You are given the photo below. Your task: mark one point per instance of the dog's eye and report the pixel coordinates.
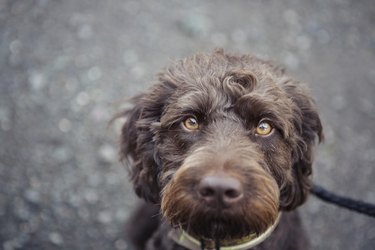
(191, 124)
(264, 128)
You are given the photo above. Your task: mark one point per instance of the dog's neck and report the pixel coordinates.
(182, 238)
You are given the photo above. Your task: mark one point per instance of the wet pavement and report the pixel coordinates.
(67, 66)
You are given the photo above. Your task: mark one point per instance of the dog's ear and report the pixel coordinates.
(308, 127)
(138, 144)
(142, 167)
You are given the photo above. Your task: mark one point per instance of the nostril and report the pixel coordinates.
(207, 192)
(232, 193)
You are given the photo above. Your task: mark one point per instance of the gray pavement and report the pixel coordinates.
(67, 66)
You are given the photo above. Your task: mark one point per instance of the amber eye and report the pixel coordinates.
(191, 123)
(264, 128)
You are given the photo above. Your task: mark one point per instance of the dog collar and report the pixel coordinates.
(182, 238)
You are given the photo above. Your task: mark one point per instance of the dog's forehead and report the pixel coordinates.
(212, 97)
(210, 93)
(217, 84)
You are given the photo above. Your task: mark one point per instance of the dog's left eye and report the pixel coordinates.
(191, 124)
(264, 128)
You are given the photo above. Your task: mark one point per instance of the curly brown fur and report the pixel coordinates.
(228, 95)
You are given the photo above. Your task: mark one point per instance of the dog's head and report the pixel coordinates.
(223, 143)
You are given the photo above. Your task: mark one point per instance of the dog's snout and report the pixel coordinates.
(220, 191)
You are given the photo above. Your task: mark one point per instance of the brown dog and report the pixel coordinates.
(223, 145)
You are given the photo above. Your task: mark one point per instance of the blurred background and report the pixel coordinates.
(67, 66)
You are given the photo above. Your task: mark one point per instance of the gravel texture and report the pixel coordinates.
(67, 66)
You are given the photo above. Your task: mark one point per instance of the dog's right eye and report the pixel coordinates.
(264, 128)
(191, 124)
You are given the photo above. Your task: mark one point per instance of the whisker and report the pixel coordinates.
(157, 215)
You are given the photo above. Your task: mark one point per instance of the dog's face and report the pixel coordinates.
(223, 143)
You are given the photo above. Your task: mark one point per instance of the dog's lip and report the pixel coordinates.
(218, 211)
(219, 208)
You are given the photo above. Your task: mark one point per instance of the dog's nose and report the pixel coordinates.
(220, 191)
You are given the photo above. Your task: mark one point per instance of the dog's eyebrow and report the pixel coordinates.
(254, 106)
(177, 114)
(199, 104)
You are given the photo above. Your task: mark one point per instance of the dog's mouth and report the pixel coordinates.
(220, 229)
(225, 224)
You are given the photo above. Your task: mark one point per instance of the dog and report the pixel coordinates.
(221, 149)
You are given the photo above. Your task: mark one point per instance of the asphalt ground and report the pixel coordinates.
(67, 66)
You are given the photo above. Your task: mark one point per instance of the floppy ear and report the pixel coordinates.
(135, 149)
(138, 139)
(308, 127)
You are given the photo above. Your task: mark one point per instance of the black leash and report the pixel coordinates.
(345, 202)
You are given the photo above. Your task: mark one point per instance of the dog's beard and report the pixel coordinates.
(253, 214)
(222, 226)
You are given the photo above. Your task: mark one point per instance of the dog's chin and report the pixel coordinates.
(223, 227)
(228, 224)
